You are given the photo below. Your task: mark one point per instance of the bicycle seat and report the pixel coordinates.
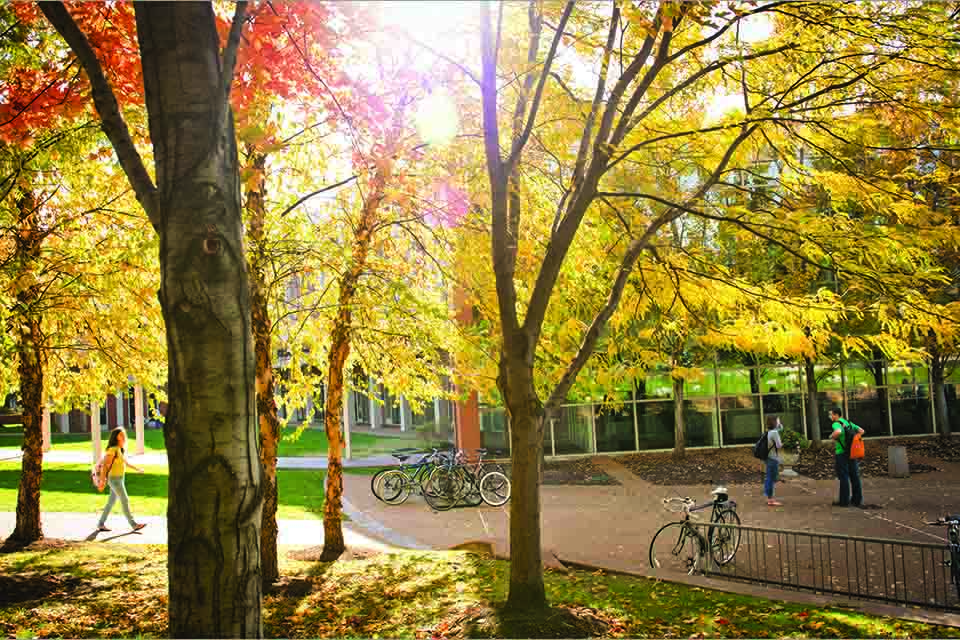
(483, 451)
(402, 457)
(719, 491)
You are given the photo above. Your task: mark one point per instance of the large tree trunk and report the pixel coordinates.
(526, 416)
(263, 352)
(939, 391)
(333, 543)
(813, 402)
(211, 434)
(30, 371)
(679, 428)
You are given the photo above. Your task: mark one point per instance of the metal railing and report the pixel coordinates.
(896, 571)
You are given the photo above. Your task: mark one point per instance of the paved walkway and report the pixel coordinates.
(82, 526)
(160, 459)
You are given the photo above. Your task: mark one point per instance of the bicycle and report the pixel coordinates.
(457, 481)
(953, 533)
(394, 485)
(679, 546)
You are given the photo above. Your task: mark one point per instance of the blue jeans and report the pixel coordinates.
(773, 471)
(848, 472)
(117, 490)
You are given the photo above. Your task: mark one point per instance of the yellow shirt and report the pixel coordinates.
(119, 465)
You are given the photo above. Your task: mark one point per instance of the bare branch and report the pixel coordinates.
(318, 192)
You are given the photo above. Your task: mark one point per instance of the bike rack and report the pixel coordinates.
(895, 571)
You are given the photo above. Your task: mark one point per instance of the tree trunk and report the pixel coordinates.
(813, 402)
(333, 543)
(30, 371)
(526, 416)
(679, 428)
(211, 433)
(263, 353)
(939, 391)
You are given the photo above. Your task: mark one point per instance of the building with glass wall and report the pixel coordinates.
(727, 407)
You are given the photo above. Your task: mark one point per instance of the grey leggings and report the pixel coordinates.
(117, 490)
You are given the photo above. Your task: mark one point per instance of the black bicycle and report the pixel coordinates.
(467, 482)
(680, 547)
(394, 485)
(953, 534)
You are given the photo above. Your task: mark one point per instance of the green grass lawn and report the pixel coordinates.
(67, 488)
(112, 591)
(311, 442)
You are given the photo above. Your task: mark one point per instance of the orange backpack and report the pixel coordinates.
(856, 448)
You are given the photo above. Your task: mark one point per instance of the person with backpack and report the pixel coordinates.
(771, 438)
(113, 470)
(848, 468)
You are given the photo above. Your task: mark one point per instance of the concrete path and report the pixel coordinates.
(160, 459)
(82, 526)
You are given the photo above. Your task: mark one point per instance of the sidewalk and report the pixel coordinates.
(160, 459)
(82, 527)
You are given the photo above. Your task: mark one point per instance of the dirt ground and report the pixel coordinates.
(736, 465)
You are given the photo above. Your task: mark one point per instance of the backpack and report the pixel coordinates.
(95, 473)
(762, 448)
(852, 443)
(856, 448)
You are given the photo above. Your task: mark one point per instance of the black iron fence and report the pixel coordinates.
(897, 571)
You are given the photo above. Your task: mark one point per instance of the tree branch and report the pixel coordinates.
(330, 187)
(109, 111)
(519, 143)
(230, 50)
(626, 267)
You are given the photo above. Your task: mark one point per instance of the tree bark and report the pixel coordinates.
(679, 428)
(937, 382)
(526, 416)
(29, 349)
(268, 418)
(813, 402)
(333, 543)
(211, 434)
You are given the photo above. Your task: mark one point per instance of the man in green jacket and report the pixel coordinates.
(848, 470)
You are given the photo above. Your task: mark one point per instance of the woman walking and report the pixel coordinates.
(773, 460)
(113, 469)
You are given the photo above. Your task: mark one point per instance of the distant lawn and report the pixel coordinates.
(311, 442)
(66, 487)
(119, 591)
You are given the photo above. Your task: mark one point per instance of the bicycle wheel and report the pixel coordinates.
(443, 489)
(725, 541)
(376, 480)
(394, 487)
(675, 548)
(494, 488)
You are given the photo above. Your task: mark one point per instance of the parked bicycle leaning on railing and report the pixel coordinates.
(394, 485)
(680, 547)
(953, 534)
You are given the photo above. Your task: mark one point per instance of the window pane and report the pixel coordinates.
(780, 379)
(698, 422)
(655, 424)
(740, 420)
(828, 378)
(953, 406)
(733, 382)
(573, 432)
(911, 411)
(868, 409)
(493, 431)
(865, 374)
(700, 386)
(615, 428)
(788, 407)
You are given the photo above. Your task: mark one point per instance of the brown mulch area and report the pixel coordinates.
(736, 465)
(559, 621)
(580, 472)
(43, 544)
(701, 466)
(819, 463)
(312, 554)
